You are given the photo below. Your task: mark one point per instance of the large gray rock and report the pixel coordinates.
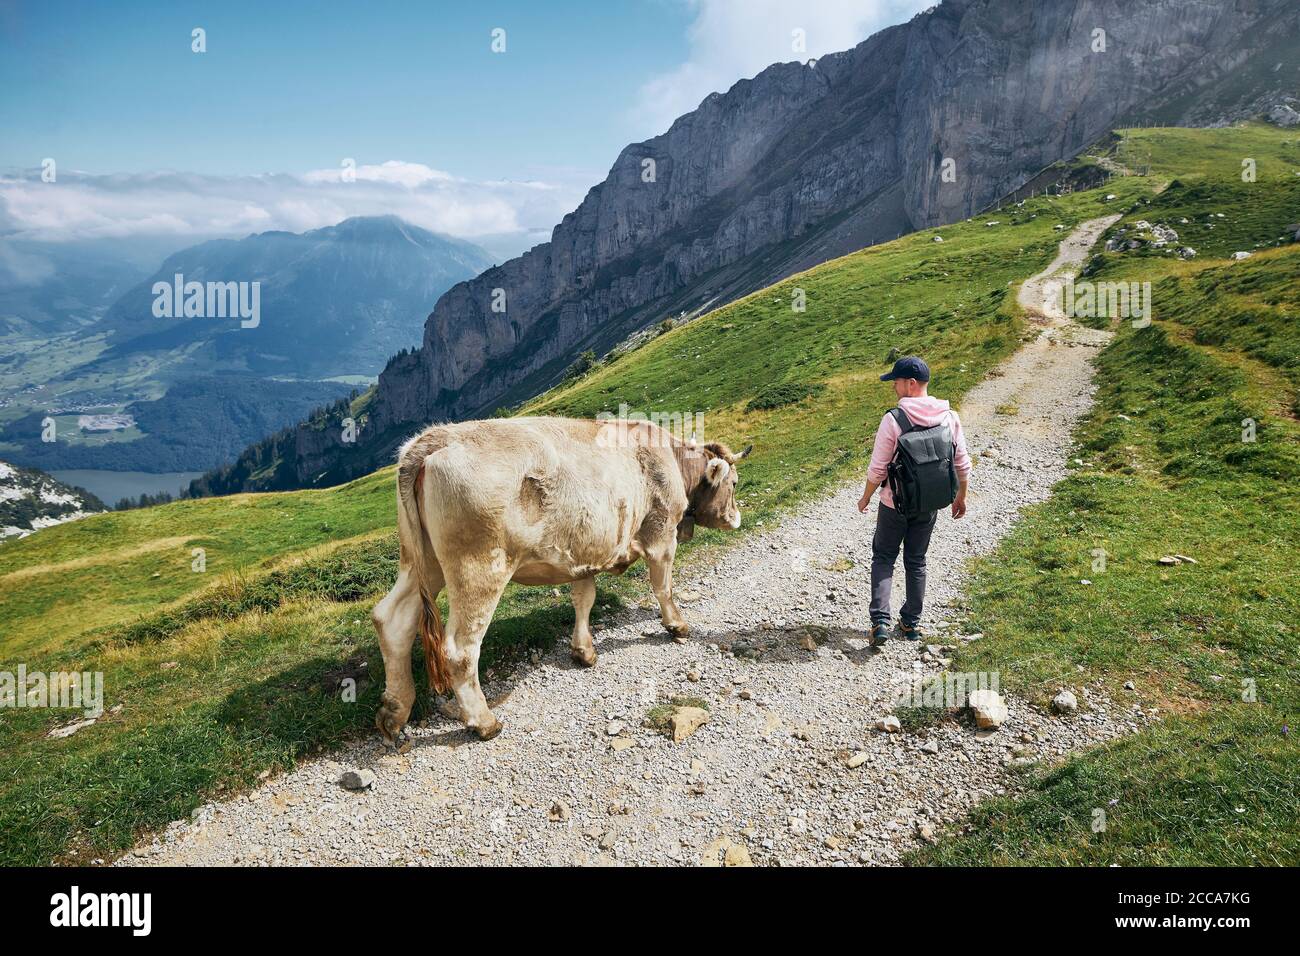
(357, 779)
(1283, 115)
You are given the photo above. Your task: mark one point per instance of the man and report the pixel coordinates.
(911, 378)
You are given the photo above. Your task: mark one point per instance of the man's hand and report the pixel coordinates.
(867, 492)
(959, 506)
(866, 496)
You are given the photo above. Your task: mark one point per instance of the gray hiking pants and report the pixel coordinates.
(893, 531)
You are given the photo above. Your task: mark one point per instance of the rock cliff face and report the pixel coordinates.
(31, 500)
(809, 161)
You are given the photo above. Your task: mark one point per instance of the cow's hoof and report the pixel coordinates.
(489, 731)
(678, 631)
(390, 720)
(584, 656)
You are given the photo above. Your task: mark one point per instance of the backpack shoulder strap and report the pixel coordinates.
(904, 423)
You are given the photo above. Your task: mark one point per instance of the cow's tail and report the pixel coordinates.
(415, 545)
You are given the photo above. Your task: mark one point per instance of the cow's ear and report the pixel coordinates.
(716, 470)
(743, 454)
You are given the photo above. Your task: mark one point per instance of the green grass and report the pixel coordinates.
(659, 717)
(74, 578)
(1253, 216)
(261, 639)
(1216, 789)
(1212, 645)
(1181, 153)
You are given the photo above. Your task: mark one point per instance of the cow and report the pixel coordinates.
(541, 501)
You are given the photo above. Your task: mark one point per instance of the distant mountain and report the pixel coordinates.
(177, 392)
(924, 123)
(31, 500)
(332, 302)
(48, 288)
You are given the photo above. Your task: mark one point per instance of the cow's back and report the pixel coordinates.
(561, 497)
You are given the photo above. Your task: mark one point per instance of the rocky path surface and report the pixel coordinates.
(789, 768)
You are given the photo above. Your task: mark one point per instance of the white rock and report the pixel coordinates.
(989, 708)
(67, 731)
(1065, 702)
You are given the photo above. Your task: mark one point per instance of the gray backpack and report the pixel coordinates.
(922, 477)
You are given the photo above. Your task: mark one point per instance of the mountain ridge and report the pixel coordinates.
(397, 265)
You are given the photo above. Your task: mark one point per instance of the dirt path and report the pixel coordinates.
(778, 652)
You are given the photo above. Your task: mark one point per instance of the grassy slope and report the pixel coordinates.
(1167, 472)
(74, 578)
(259, 651)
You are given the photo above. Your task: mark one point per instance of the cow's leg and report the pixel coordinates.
(397, 619)
(583, 592)
(660, 563)
(473, 591)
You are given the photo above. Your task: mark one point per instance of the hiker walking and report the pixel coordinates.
(919, 463)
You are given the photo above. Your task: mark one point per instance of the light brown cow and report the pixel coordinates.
(538, 501)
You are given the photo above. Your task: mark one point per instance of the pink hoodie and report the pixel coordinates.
(923, 411)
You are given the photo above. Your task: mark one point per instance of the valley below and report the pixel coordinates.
(112, 486)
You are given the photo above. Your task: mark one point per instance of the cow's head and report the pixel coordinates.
(712, 500)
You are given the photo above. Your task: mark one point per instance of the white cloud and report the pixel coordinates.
(86, 206)
(730, 40)
(21, 269)
(393, 171)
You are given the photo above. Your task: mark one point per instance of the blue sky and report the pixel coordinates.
(115, 87)
(443, 130)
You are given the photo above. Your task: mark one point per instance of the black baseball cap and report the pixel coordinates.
(909, 366)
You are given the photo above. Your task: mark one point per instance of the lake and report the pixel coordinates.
(111, 487)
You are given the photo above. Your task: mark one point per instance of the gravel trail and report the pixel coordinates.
(788, 769)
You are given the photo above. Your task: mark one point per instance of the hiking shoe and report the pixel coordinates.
(908, 632)
(879, 634)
